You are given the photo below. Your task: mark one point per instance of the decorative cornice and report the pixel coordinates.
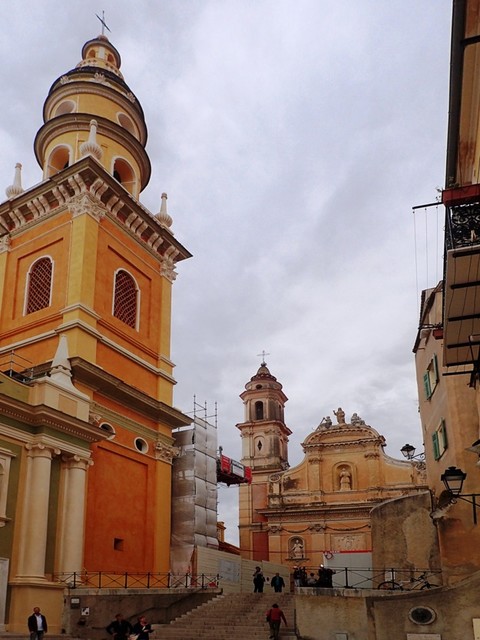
(41, 416)
(26, 437)
(105, 195)
(112, 387)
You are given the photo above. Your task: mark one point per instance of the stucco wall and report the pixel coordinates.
(376, 615)
(403, 534)
(104, 604)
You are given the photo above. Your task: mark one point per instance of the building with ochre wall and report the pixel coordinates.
(86, 389)
(319, 509)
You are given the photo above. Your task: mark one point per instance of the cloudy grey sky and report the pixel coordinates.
(293, 139)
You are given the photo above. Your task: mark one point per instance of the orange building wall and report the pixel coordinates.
(122, 510)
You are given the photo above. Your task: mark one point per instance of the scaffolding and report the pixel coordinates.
(194, 488)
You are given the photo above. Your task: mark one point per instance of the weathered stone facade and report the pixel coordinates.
(306, 514)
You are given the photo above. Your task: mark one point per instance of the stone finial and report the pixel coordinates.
(61, 370)
(16, 188)
(162, 216)
(91, 147)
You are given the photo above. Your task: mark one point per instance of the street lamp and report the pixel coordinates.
(408, 451)
(453, 480)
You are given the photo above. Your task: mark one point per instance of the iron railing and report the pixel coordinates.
(463, 225)
(343, 577)
(368, 578)
(115, 580)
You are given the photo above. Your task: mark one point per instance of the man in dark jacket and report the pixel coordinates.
(119, 628)
(37, 624)
(278, 583)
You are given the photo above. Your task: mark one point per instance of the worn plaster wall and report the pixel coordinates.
(404, 535)
(363, 614)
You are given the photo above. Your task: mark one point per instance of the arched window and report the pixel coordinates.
(123, 173)
(59, 159)
(125, 298)
(67, 106)
(127, 123)
(258, 410)
(39, 285)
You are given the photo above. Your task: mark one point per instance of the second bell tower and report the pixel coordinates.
(265, 450)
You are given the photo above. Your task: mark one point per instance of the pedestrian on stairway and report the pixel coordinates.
(142, 629)
(258, 580)
(274, 617)
(278, 583)
(119, 628)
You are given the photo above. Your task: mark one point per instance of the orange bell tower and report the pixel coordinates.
(82, 258)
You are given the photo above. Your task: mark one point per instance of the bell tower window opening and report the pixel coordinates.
(59, 159)
(258, 410)
(39, 285)
(125, 298)
(67, 106)
(126, 122)
(124, 174)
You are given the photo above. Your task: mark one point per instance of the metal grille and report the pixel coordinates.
(125, 301)
(39, 285)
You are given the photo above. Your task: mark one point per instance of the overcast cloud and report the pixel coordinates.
(293, 139)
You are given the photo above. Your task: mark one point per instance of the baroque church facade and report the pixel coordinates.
(86, 379)
(317, 512)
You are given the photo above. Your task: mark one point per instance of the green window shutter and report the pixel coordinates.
(443, 431)
(426, 385)
(436, 448)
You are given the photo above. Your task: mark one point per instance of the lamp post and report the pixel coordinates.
(453, 480)
(408, 452)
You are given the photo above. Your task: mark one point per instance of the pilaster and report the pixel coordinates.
(72, 514)
(34, 521)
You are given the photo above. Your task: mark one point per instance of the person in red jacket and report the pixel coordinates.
(275, 616)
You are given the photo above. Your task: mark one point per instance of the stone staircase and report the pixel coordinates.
(235, 616)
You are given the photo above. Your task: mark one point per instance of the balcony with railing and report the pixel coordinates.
(462, 276)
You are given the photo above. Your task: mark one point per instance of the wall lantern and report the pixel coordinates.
(408, 452)
(453, 480)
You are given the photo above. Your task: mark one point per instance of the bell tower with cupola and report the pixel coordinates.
(82, 259)
(90, 110)
(265, 449)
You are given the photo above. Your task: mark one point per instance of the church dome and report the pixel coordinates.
(263, 373)
(95, 89)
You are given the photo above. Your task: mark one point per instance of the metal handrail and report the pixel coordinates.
(125, 580)
(370, 578)
(344, 577)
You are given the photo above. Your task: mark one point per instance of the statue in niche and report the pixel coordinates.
(340, 415)
(345, 480)
(297, 549)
